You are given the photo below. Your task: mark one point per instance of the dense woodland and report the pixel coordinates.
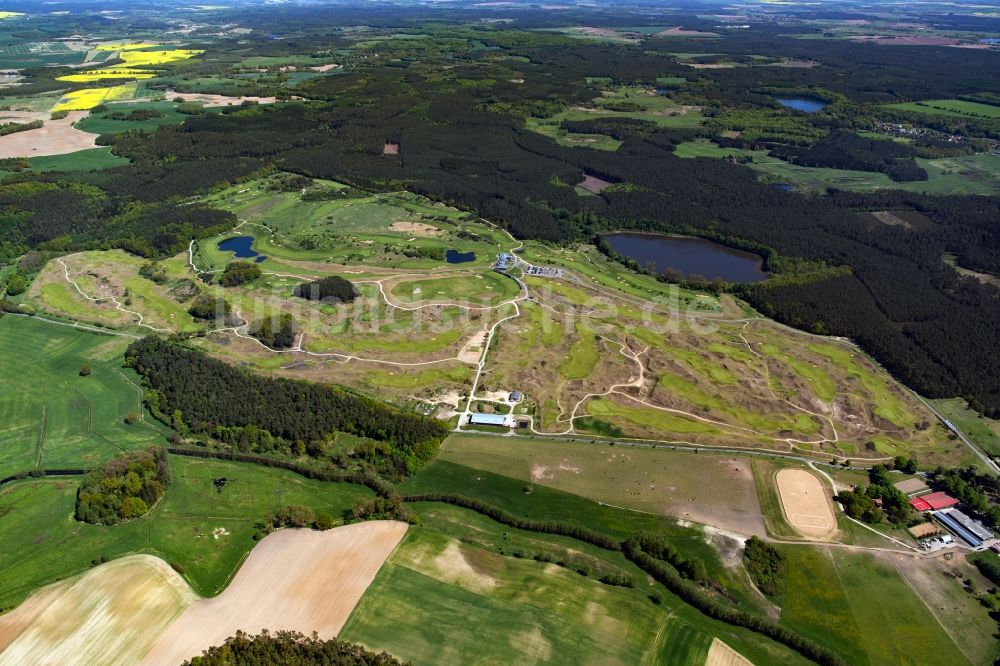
(287, 647)
(126, 487)
(198, 394)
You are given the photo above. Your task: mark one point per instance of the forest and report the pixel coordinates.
(288, 647)
(199, 394)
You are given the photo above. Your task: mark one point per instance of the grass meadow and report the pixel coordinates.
(45, 542)
(50, 415)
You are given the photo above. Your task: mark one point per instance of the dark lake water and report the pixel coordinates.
(805, 104)
(456, 257)
(242, 248)
(785, 187)
(690, 256)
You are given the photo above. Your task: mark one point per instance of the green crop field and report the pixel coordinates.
(102, 123)
(44, 542)
(949, 107)
(964, 174)
(433, 588)
(52, 417)
(850, 600)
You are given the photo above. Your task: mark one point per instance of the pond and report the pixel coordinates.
(690, 256)
(241, 247)
(456, 257)
(804, 104)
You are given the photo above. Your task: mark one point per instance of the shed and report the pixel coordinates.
(515, 396)
(488, 419)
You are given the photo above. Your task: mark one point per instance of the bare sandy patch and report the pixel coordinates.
(414, 228)
(805, 503)
(55, 137)
(710, 65)
(299, 580)
(682, 32)
(721, 654)
(593, 184)
(390, 148)
(109, 615)
(325, 68)
(219, 100)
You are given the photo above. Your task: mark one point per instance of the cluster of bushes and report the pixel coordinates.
(693, 594)
(275, 332)
(289, 647)
(135, 114)
(153, 271)
(293, 515)
(238, 273)
(12, 128)
(125, 488)
(333, 288)
(615, 578)
(657, 546)
(507, 518)
(208, 307)
(860, 503)
(382, 508)
(766, 566)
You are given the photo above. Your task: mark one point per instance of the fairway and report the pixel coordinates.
(50, 416)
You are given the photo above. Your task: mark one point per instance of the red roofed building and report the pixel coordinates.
(933, 502)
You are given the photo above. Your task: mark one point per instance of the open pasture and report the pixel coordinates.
(711, 489)
(850, 599)
(963, 174)
(206, 531)
(50, 416)
(949, 107)
(296, 580)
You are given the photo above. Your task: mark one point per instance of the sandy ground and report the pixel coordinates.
(110, 615)
(219, 100)
(56, 137)
(390, 149)
(721, 654)
(593, 184)
(299, 580)
(805, 503)
(414, 228)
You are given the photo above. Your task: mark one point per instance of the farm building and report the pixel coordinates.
(933, 502)
(488, 419)
(515, 396)
(913, 486)
(970, 531)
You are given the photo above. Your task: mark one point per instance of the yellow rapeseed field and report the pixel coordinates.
(109, 73)
(82, 100)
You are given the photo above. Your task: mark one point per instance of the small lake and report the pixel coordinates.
(456, 257)
(242, 248)
(784, 187)
(690, 256)
(804, 104)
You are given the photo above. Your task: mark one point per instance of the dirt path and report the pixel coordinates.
(299, 580)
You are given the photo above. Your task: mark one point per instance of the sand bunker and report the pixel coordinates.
(55, 137)
(414, 228)
(805, 503)
(294, 579)
(721, 654)
(111, 614)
